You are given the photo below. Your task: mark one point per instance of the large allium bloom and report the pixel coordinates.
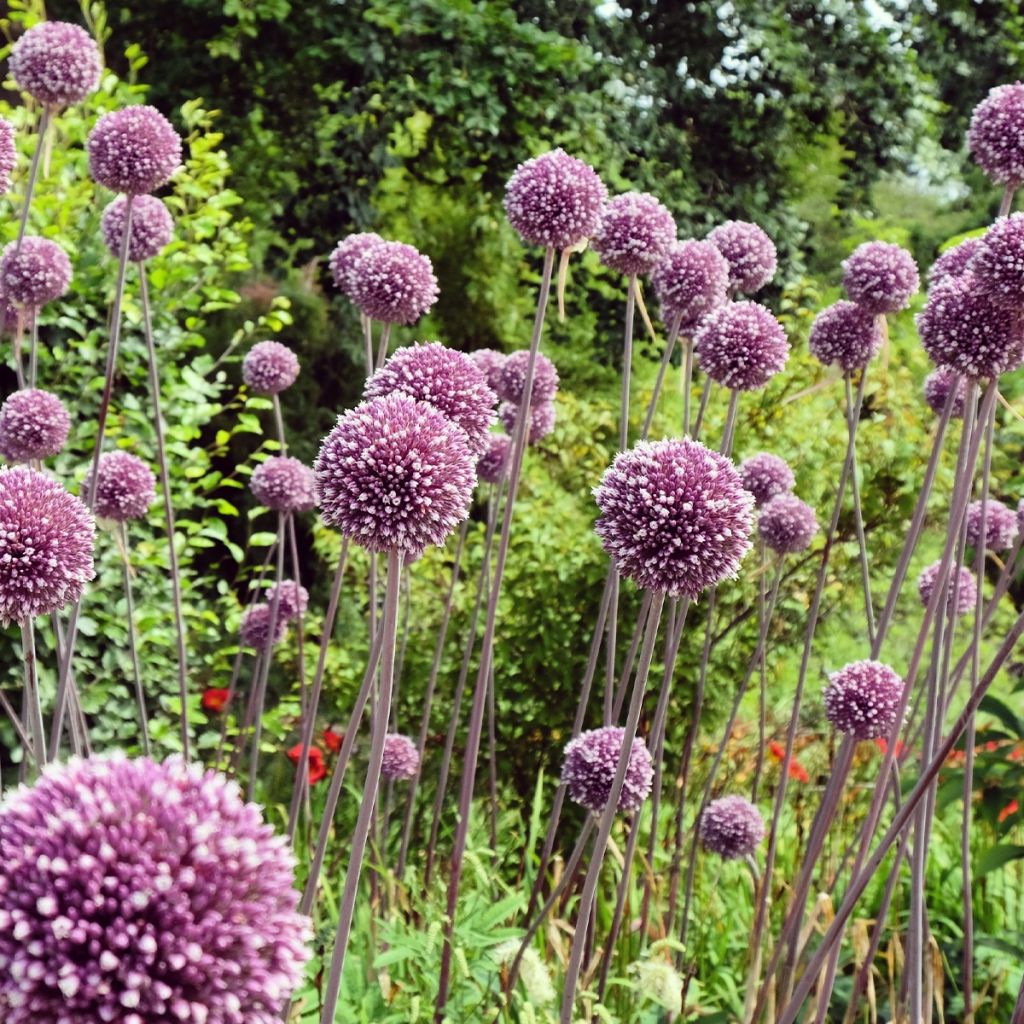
(284, 484)
(270, 367)
(966, 589)
(750, 253)
(998, 265)
(690, 281)
(56, 63)
(254, 629)
(554, 200)
(493, 464)
(35, 274)
(33, 425)
(134, 892)
(741, 346)
(1000, 525)
(963, 329)
(347, 253)
(46, 538)
(937, 386)
(880, 277)
(152, 227)
(292, 601)
(8, 154)
(674, 516)
(542, 419)
(588, 769)
(787, 525)
(395, 473)
(766, 475)
(512, 382)
(401, 758)
(492, 363)
(133, 150)
(996, 135)
(125, 487)
(954, 261)
(444, 378)
(634, 233)
(731, 827)
(394, 283)
(863, 699)
(845, 334)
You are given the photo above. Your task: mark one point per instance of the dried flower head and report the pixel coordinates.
(542, 419)
(998, 265)
(749, 252)
(254, 629)
(845, 334)
(33, 425)
(394, 283)
(8, 154)
(401, 758)
(151, 231)
(292, 599)
(660, 982)
(347, 253)
(125, 487)
(691, 280)
(512, 382)
(493, 464)
(731, 827)
(492, 363)
(787, 525)
(880, 277)
(270, 367)
(34, 274)
(56, 63)
(937, 386)
(533, 972)
(960, 585)
(766, 475)
(634, 233)
(284, 484)
(863, 699)
(589, 765)
(1000, 525)
(133, 150)
(954, 261)
(741, 345)
(996, 135)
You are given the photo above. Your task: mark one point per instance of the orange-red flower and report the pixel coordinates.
(883, 746)
(315, 760)
(215, 699)
(796, 770)
(1011, 808)
(333, 739)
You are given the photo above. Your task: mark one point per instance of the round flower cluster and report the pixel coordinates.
(347, 253)
(1000, 525)
(492, 363)
(845, 334)
(46, 539)
(954, 261)
(284, 484)
(996, 135)
(152, 227)
(125, 487)
(998, 264)
(512, 382)
(292, 601)
(554, 200)
(765, 475)
(401, 758)
(787, 525)
(34, 274)
(137, 892)
(393, 283)
(8, 154)
(542, 419)
(863, 699)
(937, 386)
(493, 464)
(961, 582)
(741, 346)
(634, 233)
(56, 63)
(749, 252)
(690, 281)
(270, 367)
(589, 765)
(674, 516)
(133, 150)
(33, 425)
(880, 277)
(731, 827)
(254, 629)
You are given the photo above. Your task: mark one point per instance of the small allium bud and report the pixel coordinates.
(634, 233)
(741, 346)
(731, 827)
(749, 252)
(8, 154)
(880, 277)
(33, 425)
(56, 63)
(937, 386)
(284, 484)
(492, 363)
(787, 525)
(152, 227)
(347, 253)
(674, 516)
(254, 630)
(292, 601)
(954, 261)
(966, 589)
(996, 135)
(493, 464)
(766, 475)
(394, 283)
(35, 274)
(270, 367)
(554, 200)
(588, 770)
(845, 334)
(512, 382)
(863, 699)
(133, 150)
(125, 487)
(542, 419)
(1000, 525)
(998, 265)
(690, 281)
(401, 759)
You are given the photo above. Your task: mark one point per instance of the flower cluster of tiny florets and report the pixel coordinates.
(152, 227)
(33, 425)
(589, 765)
(732, 827)
(741, 345)
(863, 699)
(749, 252)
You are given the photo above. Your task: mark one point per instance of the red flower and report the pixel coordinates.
(317, 770)
(777, 750)
(215, 700)
(333, 739)
(991, 746)
(1011, 808)
(883, 746)
(796, 770)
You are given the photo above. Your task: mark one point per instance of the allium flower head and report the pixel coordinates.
(845, 334)
(35, 274)
(395, 473)
(254, 629)
(56, 63)
(634, 233)
(863, 699)
(996, 135)
(151, 231)
(554, 200)
(731, 827)
(492, 363)
(125, 487)
(292, 601)
(444, 378)
(401, 758)
(766, 475)
(787, 525)
(674, 516)
(493, 464)
(270, 367)
(347, 253)
(998, 265)
(691, 280)
(542, 419)
(46, 538)
(33, 425)
(937, 386)
(966, 589)
(880, 277)
(135, 893)
(588, 769)
(512, 382)
(1000, 525)
(394, 283)
(133, 150)
(741, 345)
(750, 253)
(284, 484)
(954, 261)
(8, 154)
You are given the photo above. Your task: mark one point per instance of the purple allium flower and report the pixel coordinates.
(749, 252)
(996, 135)
(35, 274)
(152, 227)
(588, 769)
(542, 419)
(962, 329)
(292, 602)
(394, 283)
(846, 334)
(134, 892)
(1020, 516)
(954, 261)
(731, 827)
(674, 516)
(446, 379)
(998, 265)
(347, 253)
(691, 280)
(46, 538)
(254, 629)
(395, 473)
(1000, 525)
(966, 589)
(8, 154)
(937, 386)
(56, 63)
(880, 277)
(492, 363)
(863, 699)
(125, 489)
(33, 425)
(512, 382)
(766, 475)
(493, 464)
(554, 200)
(787, 525)
(270, 367)
(634, 233)
(284, 484)
(401, 758)
(133, 150)
(741, 346)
